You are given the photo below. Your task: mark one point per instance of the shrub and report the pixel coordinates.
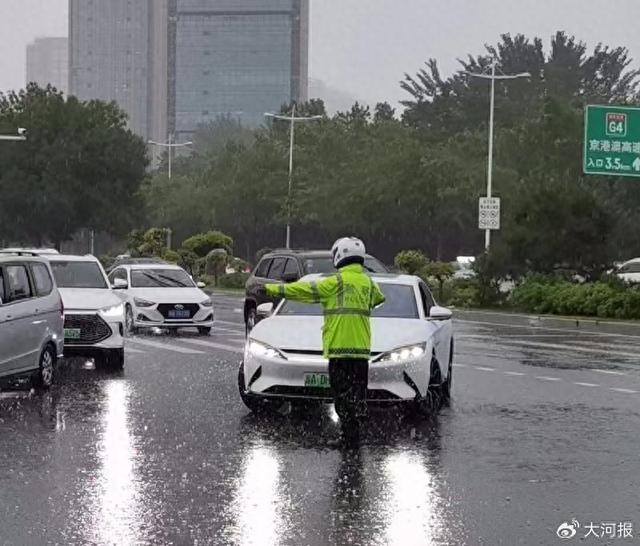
(598, 299)
(411, 262)
(233, 280)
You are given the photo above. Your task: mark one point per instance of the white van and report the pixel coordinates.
(31, 319)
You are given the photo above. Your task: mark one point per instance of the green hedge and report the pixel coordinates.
(233, 280)
(599, 299)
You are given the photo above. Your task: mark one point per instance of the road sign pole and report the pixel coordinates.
(487, 233)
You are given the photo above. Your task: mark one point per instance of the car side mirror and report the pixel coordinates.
(440, 313)
(265, 310)
(290, 277)
(201, 285)
(120, 284)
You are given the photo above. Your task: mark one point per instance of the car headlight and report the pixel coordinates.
(113, 311)
(256, 348)
(403, 353)
(207, 303)
(142, 303)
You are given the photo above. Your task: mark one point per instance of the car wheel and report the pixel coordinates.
(204, 330)
(447, 386)
(46, 368)
(129, 324)
(429, 405)
(257, 404)
(251, 320)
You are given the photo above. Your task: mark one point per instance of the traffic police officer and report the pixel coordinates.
(347, 298)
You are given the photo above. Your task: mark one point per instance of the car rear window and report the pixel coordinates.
(18, 286)
(325, 265)
(400, 303)
(42, 279)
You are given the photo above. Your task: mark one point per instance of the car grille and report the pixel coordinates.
(164, 309)
(92, 329)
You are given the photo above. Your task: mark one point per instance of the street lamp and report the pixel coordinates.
(292, 119)
(493, 77)
(170, 145)
(21, 136)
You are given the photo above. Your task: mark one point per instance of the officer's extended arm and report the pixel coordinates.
(302, 291)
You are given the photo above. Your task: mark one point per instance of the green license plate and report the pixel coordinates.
(318, 380)
(72, 333)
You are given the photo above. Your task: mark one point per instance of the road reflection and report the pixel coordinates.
(116, 517)
(258, 505)
(409, 501)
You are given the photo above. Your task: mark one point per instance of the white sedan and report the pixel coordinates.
(411, 358)
(162, 296)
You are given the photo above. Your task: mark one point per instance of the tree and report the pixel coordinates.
(203, 244)
(411, 261)
(79, 168)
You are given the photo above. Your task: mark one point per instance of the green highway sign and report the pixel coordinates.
(612, 140)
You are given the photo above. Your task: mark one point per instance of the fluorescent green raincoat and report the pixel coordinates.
(347, 298)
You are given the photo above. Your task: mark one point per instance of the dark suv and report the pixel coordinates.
(289, 266)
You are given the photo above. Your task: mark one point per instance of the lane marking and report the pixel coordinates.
(484, 368)
(220, 321)
(626, 391)
(531, 327)
(456, 365)
(214, 345)
(609, 372)
(166, 347)
(572, 348)
(132, 350)
(582, 384)
(547, 378)
(515, 374)
(221, 330)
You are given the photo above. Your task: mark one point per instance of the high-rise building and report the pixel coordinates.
(173, 65)
(48, 62)
(237, 57)
(108, 54)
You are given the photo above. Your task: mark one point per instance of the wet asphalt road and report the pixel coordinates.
(543, 428)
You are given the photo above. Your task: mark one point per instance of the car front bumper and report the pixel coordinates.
(389, 382)
(151, 317)
(97, 333)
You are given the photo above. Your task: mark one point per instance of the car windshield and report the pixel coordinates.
(160, 278)
(78, 275)
(400, 303)
(325, 265)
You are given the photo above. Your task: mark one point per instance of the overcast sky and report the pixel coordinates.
(363, 47)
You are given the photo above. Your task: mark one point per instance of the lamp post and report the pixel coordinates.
(493, 77)
(170, 145)
(292, 119)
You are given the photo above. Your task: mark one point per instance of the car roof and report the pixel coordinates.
(632, 261)
(15, 257)
(383, 278)
(302, 253)
(152, 266)
(71, 258)
(38, 251)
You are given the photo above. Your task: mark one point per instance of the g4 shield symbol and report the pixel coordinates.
(568, 530)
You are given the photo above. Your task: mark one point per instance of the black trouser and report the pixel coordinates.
(349, 379)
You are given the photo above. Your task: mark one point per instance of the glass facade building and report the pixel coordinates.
(174, 65)
(237, 57)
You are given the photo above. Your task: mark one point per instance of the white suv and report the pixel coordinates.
(94, 314)
(31, 319)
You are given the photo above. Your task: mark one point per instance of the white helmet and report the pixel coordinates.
(346, 249)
